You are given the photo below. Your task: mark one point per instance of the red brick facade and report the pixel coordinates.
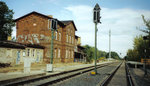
(34, 28)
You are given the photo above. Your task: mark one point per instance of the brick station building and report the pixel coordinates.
(34, 28)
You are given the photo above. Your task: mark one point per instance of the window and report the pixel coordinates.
(33, 52)
(72, 54)
(48, 25)
(72, 40)
(59, 36)
(28, 52)
(58, 53)
(66, 53)
(56, 35)
(55, 53)
(67, 38)
(69, 54)
(24, 54)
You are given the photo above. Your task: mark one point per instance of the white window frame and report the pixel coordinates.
(23, 53)
(59, 36)
(72, 54)
(69, 53)
(48, 25)
(59, 53)
(67, 38)
(55, 53)
(28, 52)
(72, 40)
(33, 52)
(56, 35)
(66, 53)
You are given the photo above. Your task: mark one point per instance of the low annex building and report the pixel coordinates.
(14, 53)
(34, 28)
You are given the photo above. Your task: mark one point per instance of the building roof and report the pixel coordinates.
(80, 47)
(67, 22)
(11, 44)
(60, 23)
(77, 36)
(8, 44)
(34, 46)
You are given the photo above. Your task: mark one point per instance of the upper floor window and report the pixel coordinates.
(48, 24)
(59, 36)
(67, 38)
(56, 35)
(72, 40)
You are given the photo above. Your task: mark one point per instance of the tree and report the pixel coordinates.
(141, 48)
(114, 55)
(6, 21)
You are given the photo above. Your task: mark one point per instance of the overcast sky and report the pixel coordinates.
(121, 16)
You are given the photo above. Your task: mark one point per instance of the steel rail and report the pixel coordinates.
(129, 78)
(77, 72)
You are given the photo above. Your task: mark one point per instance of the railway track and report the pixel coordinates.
(129, 78)
(107, 80)
(51, 79)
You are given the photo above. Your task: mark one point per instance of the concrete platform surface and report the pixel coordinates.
(119, 79)
(14, 75)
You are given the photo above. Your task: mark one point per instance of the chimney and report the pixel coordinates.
(50, 16)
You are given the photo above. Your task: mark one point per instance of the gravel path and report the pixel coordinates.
(87, 79)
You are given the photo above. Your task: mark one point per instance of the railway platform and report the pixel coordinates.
(119, 79)
(20, 75)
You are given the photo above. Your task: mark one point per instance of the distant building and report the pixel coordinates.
(34, 28)
(14, 53)
(80, 56)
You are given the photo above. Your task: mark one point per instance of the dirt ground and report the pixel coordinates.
(35, 66)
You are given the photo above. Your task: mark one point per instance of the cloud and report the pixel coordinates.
(122, 22)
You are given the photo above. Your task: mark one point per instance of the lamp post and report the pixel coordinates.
(96, 20)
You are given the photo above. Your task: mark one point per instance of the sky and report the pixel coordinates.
(122, 17)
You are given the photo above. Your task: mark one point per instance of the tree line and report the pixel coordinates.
(141, 46)
(6, 21)
(89, 51)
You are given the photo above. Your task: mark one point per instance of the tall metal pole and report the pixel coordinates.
(95, 56)
(52, 35)
(109, 44)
